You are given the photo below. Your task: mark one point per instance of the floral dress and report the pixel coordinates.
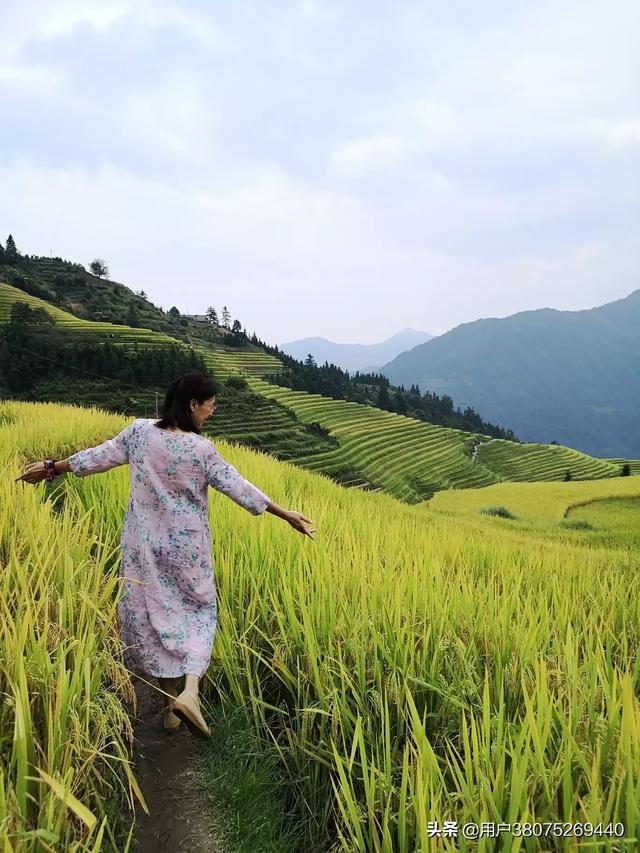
(167, 607)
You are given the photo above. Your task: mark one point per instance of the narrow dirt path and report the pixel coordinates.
(181, 815)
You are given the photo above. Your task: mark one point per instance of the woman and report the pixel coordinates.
(167, 608)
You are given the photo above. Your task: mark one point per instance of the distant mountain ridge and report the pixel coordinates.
(363, 357)
(566, 376)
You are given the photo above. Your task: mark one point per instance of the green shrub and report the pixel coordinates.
(237, 382)
(500, 511)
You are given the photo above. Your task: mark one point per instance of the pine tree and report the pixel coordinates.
(226, 317)
(212, 316)
(310, 361)
(236, 326)
(10, 251)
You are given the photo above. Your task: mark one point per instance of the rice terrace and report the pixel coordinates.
(458, 646)
(319, 424)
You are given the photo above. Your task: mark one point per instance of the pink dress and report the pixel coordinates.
(167, 607)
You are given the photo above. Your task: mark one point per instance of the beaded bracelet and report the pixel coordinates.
(49, 467)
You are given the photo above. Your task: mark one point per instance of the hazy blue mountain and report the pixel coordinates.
(352, 357)
(568, 376)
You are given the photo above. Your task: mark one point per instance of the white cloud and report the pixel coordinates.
(40, 19)
(371, 154)
(30, 78)
(419, 165)
(616, 133)
(175, 116)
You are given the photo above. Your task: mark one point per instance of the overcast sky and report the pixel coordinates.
(343, 169)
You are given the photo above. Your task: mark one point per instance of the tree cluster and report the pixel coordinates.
(236, 335)
(31, 348)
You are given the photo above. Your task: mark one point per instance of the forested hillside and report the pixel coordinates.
(566, 376)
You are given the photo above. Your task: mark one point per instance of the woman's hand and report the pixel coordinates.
(296, 520)
(33, 473)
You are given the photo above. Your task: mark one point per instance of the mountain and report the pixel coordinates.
(566, 376)
(352, 357)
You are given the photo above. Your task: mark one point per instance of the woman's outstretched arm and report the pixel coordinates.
(93, 460)
(223, 477)
(36, 472)
(295, 519)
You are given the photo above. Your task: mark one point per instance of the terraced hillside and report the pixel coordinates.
(408, 458)
(227, 361)
(634, 464)
(360, 446)
(252, 420)
(265, 425)
(116, 334)
(542, 462)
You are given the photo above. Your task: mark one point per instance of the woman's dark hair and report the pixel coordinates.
(176, 411)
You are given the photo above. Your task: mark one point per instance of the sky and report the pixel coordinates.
(340, 169)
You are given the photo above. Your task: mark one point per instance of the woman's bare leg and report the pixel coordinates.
(168, 685)
(191, 684)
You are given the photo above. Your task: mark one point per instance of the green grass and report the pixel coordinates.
(539, 503)
(247, 782)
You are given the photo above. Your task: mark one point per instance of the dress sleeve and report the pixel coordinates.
(225, 478)
(109, 454)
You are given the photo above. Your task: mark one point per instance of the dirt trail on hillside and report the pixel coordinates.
(181, 814)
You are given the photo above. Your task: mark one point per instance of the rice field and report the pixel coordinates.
(225, 362)
(377, 450)
(412, 460)
(548, 462)
(616, 519)
(408, 458)
(537, 502)
(410, 665)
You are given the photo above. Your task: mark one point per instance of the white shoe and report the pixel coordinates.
(187, 708)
